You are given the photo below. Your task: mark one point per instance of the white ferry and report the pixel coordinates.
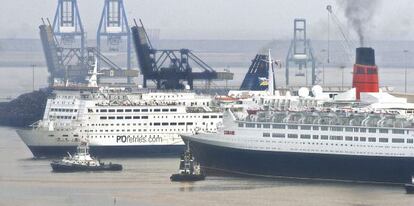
(117, 122)
(310, 144)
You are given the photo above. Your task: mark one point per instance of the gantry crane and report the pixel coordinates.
(169, 68)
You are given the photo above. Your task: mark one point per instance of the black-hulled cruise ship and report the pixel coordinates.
(315, 144)
(373, 143)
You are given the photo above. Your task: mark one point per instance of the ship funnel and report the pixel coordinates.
(365, 75)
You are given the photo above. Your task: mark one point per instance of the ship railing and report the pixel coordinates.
(409, 126)
(195, 110)
(331, 118)
(202, 109)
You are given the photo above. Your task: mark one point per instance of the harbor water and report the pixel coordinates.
(145, 181)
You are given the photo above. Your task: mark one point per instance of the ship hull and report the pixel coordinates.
(187, 177)
(41, 145)
(110, 151)
(216, 159)
(65, 167)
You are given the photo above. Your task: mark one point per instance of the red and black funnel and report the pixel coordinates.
(365, 76)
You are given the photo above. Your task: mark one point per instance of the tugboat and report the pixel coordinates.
(189, 170)
(409, 188)
(82, 161)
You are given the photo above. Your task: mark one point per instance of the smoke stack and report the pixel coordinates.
(365, 76)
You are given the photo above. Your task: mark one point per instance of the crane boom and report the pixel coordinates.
(347, 44)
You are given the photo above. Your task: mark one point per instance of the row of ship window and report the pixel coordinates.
(323, 128)
(111, 136)
(62, 110)
(145, 130)
(145, 124)
(61, 117)
(122, 117)
(134, 110)
(151, 124)
(65, 97)
(123, 124)
(212, 116)
(64, 102)
(336, 151)
(146, 117)
(334, 137)
(162, 96)
(171, 123)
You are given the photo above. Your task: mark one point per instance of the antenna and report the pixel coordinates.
(329, 8)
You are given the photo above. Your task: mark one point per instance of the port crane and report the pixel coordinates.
(114, 27)
(68, 57)
(169, 68)
(301, 53)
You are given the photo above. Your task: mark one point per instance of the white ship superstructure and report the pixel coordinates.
(119, 122)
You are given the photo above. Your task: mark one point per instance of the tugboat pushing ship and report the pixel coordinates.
(82, 161)
(189, 170)
(409, 187)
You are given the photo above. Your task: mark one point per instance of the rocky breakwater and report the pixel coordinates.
(25, 109)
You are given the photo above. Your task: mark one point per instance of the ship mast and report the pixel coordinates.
(271, 82)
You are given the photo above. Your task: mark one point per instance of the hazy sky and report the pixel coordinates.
(215, 19)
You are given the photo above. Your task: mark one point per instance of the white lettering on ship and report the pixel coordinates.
(129, 139)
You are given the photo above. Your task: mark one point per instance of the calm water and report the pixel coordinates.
(145, 181)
